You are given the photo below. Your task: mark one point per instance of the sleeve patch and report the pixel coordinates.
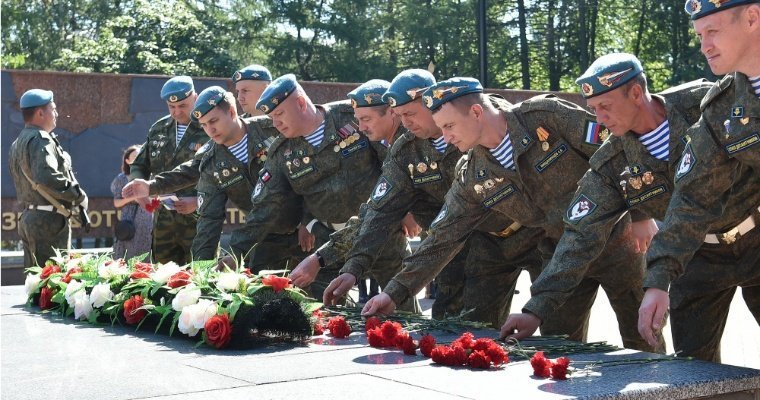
(581, 207)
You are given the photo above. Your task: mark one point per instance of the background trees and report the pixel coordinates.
(532, 44)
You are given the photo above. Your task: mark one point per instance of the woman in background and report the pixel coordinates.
(130, 210)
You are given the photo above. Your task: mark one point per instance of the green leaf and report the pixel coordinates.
(165, 313)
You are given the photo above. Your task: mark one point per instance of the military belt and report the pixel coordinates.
(48, 207)
(734, 234)
(508, 231)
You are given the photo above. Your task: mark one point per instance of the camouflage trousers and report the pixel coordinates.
(620, 272)
(276, 252)
(700, 298)
(41, 232)
(173, 235)
(387, 265)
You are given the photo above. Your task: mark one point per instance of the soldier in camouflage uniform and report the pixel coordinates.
(322, 159)
(171, 141)
(524, 162)
(250, 83)
(36, 155)
(632, 171)
(715, 200)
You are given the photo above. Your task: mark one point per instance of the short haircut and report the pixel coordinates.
(463, 103)
(381, 109)
(227, 102)
(28, 113)
(641, 80)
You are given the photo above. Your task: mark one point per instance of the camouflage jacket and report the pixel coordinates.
(48, 165)
(329, 182)
(623, 176)
(715, 185)
(160, 151)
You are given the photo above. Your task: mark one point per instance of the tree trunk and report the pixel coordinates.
(524, 54)
(640, 30)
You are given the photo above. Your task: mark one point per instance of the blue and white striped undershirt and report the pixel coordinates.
(315, 139)
(180, 132)
(755, 85)
(504, 153)
(657, 141)
(439, 144)
(240, 149)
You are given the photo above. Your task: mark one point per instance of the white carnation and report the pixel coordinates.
(100, 294)
(31, 283)
(229, 281)
(187, 296)
(82, 306)
(164, 272)
(112, 269)
(72, 290)
(193, 318)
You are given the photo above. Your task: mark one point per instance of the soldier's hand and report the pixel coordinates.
(136, 188)
(305, 238)
(186, 205)
(380, 304)
(338, 288)
(643, 232)
(654, 307)
(305, 272)
(226, 262)
(410, 226)
(519, 326)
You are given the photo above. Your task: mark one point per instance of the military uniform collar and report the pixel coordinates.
(516, 131)
(745, 96)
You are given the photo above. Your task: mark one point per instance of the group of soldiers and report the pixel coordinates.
(493, 188)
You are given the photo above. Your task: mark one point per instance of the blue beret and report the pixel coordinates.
(369, 94)
(445, 91)
(608, 72)
(408, 86)
(700, 8)
(277, 92)
(207, 100)
(253, 72)
(35, 98)
(177, 89)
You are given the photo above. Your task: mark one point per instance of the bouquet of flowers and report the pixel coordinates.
(228, 308)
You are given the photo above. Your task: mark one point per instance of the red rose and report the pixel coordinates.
(49, 270)
(541, 366)
(247, 272)
(427, 344)
(152, 205)
(466, 340)
(375, 338)
(180, 279)
(218, 330)
(144, 267)
(278, 283)
(338, 327)
(409, 346)
(497, 354)
(131, 312)
(139, 275)
(559, 368)
(390, 330)
(479, 359)
(46, 298)
(371, 323)
(69, 273)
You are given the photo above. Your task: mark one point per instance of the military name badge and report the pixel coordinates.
(686, 163)
(441, 215)
(596, 133)
(551, 158)
(581, 207)
(359, 145)
(381, 190)
(500, 195)
(421, 180)
(648, 195)
(743, 144)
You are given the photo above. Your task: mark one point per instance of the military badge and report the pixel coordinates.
(433, 165)
(489, 184)
(296, 162)
(289, 165)
(635, 182)
(381, 189)
(543, 136)
(354, 104)
(428, 101)
(686, 164)
(717, 3)
(172, 98)
(257, 190)
(336, 148)
(306, 160)
(226, 172)
(481, 174)
(197, 114)
(265, 176)
(737, 112)
(237, 76)
(623, 185)
(234, 169)
(413, 93)
(612, 78)
(648, 178)
(693, 7)
(744, 120)
(276, 101)
(391, 102)
(212, 102)
(411, 170)
(200, 200)
(587, 89)
(421, 167)
(264, 108)
(478, 189)
(581, 207)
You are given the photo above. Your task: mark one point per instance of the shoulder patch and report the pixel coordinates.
(263, 121)
(579, 208)
(686, 163)
(595, 133)
(382, 188)
(543, 102)
(715, 91)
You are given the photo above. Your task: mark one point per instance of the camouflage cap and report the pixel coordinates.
(276, 93)
(369, 94)
(253, 72)
(608, 72)
(445, 91)
(35, 98)
(701, 8)
(177, 89)
(207, 100)
(408, 86)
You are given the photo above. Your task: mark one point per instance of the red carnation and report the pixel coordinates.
(390, 331)
(46, 298)
(218, 330)
(427, 344)
(131, 312)
(440, 354)
(559, 368)
(409, 346)
(278, 283)
(497, 354)
(541, 366)
(371, 323)
(338, 327)
(398, 341)
(482, 344)
(152, 205)
(375, 338)
(69, 273)
(479, 359)
(458, 355)
(180, 279)
(466, 340)
(319, 328)
(49, 270)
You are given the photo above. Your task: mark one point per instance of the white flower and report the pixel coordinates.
(100, 294)
(229, 281)
(110, 269)
(72, 290)
(187, 296)
(193, 318)
(31, 283)
(77, 261)
(82, 306)
(165, 271)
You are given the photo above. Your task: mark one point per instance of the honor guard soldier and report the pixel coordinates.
(323, 159)
(715, 201)
(250, 83)
(171, 141)
(45, 183)
(631, 172)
